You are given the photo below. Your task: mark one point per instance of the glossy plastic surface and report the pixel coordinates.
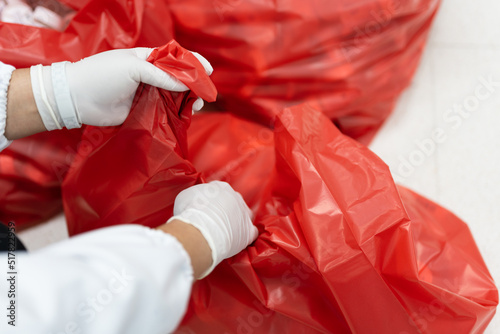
(132, 173)
(341, 249)
(31, 173)
(30, 185)
(99, 25)
(351, 59)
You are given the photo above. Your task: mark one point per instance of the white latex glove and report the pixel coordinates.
(220, 214)
(98, 90)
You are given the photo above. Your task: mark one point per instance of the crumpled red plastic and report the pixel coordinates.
(132, 173)
(351, 59)
(99, 25)
(33, 168)
(341, 248)
(31, 173)
(365, 54)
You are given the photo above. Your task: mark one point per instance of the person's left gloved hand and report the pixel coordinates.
(98, 90)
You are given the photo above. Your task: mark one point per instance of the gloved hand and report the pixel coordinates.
(98, 90)
(220, 214)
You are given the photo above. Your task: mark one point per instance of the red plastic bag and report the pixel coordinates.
(339, 251)
(32, 169)
(133, 172)
(99, 25)
(341, 248)
(233, 150)
(350, 59)
(30, 182)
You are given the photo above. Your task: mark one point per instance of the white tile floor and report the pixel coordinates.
(461, 172)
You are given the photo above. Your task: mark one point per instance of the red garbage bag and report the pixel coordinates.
(351, 59)
(99, 25)
(341, 248)
(153, 18)
(132, 173)
(237, 151)
(29, 183)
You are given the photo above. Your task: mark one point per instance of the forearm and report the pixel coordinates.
(23, 118)
(193, 242)
(97, 90)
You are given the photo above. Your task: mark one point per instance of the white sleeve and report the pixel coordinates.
(125, 279)
(5, 75)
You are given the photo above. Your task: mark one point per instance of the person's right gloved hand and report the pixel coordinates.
(98, 90)
(220, 214)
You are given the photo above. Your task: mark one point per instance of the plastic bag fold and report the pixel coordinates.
(341, 249)
(350, 59)
(133, 172)
(32, 169)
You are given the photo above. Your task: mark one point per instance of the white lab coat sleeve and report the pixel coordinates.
(5, 75)
(125, 279)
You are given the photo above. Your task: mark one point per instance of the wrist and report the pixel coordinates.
(53, 98)
(193, 242)
(23, 118)
(43, 95)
